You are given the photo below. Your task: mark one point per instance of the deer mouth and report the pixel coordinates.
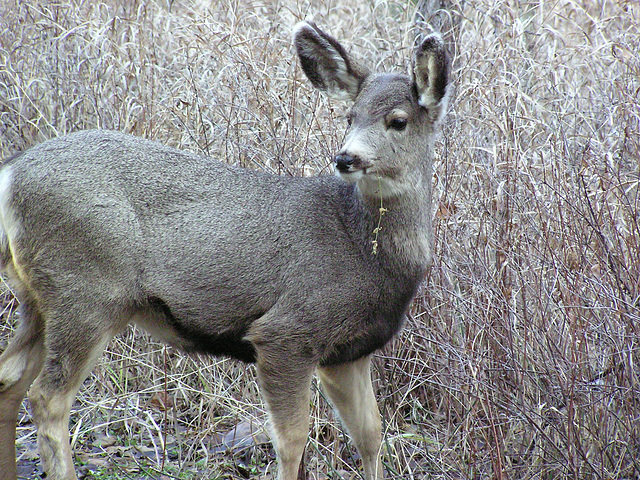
(350, 167)
(351, 176)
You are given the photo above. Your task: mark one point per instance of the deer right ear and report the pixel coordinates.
(431, 75)
(326, 63)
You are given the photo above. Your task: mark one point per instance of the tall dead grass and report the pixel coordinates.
(520, 359)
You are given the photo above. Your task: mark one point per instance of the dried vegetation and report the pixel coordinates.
(520, 359)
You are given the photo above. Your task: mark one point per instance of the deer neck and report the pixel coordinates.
(400, 223)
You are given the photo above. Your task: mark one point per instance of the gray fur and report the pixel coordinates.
(100, 229)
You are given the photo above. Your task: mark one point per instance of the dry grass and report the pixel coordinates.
(521, 357)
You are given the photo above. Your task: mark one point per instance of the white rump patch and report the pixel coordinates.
(9, 226)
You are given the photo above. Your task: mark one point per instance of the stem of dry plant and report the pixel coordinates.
(520, 357)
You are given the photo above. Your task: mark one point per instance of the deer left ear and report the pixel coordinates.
(326, 63)
(431, 67)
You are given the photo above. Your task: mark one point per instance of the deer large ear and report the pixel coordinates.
(326, 63)
(431, 67)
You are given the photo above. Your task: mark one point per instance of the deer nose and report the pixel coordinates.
(344, 161)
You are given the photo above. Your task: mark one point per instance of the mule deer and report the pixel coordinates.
(100, 229)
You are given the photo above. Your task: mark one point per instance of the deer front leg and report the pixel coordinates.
(350, 390)
(285, 383)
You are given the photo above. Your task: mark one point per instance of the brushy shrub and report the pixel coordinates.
(520, 357)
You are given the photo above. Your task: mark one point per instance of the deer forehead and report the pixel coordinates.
(384, 95)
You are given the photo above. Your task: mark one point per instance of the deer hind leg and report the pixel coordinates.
(285, 385)
(351, 393)
(20, 363)
(73, 343)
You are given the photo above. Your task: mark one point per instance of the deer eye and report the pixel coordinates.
(398, 124)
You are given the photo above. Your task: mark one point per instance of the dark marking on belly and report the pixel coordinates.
(229, 343)
(374, 330)
(372, 339)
